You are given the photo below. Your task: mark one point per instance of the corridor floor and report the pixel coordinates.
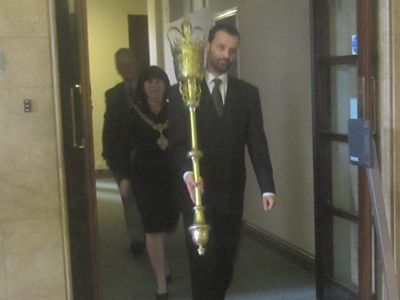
(260, 273)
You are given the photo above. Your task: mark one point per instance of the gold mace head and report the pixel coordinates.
(199, 230)
(187, 48)
(199, 233)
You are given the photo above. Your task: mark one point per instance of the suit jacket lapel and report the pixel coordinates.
(230, 96)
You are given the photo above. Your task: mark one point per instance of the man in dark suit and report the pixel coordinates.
(229, 118)
(118, 100)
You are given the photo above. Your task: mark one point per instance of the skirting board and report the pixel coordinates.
(291, 253)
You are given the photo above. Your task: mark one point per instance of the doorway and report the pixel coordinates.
(78, 147)
(90, 157)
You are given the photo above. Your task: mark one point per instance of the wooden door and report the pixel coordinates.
(139, 39)
(78, 146)
(343, 68)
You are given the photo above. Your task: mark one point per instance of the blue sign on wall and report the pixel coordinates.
(354, 44)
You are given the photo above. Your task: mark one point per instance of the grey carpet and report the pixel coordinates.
(260, 274)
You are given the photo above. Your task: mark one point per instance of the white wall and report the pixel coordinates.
(278, 61)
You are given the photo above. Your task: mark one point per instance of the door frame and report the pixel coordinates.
(393, 64)
(367, 98)
(78, 149)
(89, 154)
(365, 63)
(90, 167)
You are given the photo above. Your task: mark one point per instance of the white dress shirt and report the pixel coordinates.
(223, 85)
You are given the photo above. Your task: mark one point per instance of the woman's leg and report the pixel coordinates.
(168, 238)
(156, 252)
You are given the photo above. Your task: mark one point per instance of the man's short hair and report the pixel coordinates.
(124, 51)
(230, 29)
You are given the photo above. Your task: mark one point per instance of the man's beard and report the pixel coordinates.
(221, 65)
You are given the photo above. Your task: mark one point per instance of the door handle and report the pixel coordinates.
(75, 144)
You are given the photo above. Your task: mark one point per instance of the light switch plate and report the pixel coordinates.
(27, 105)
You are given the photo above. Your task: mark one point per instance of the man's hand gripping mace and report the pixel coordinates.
(188, 56)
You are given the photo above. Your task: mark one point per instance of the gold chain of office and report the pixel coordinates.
(162, 141)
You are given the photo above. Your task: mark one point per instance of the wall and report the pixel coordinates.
(279, 62)
(107, 31)
(32, 214)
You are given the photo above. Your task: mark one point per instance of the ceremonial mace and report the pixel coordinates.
(188, 56)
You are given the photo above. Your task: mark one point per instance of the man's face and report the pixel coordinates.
(126, 66)
(222, 52)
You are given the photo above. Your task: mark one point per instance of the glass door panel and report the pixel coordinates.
(343, 87)
(344, 179)
(342, 26)
(345, 244)
(342, 219)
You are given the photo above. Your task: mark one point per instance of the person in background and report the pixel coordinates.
(150, 173)
(118, 100)
(229, 118)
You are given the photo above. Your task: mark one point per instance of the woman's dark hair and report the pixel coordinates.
(151, 72)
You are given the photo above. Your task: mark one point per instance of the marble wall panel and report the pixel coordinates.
(395, 16)
(23, 17)
(27, 62)
(29, 195)
(28, 139)
(33, 257)
(383, 42)
(3, 290)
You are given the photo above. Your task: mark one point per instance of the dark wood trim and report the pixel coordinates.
(78, 157)
(337, 137)
(366, 72)
(334, 290)
(290, 252)
(364, 238)
(89, 149)
(139, 39)
(334, 287)
(319, 30)
(339, 60)
(341, 213)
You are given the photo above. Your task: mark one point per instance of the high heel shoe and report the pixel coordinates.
(163, 296)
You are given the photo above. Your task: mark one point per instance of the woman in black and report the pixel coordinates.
(146, 166)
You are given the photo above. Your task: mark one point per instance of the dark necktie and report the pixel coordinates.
(217, 97)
